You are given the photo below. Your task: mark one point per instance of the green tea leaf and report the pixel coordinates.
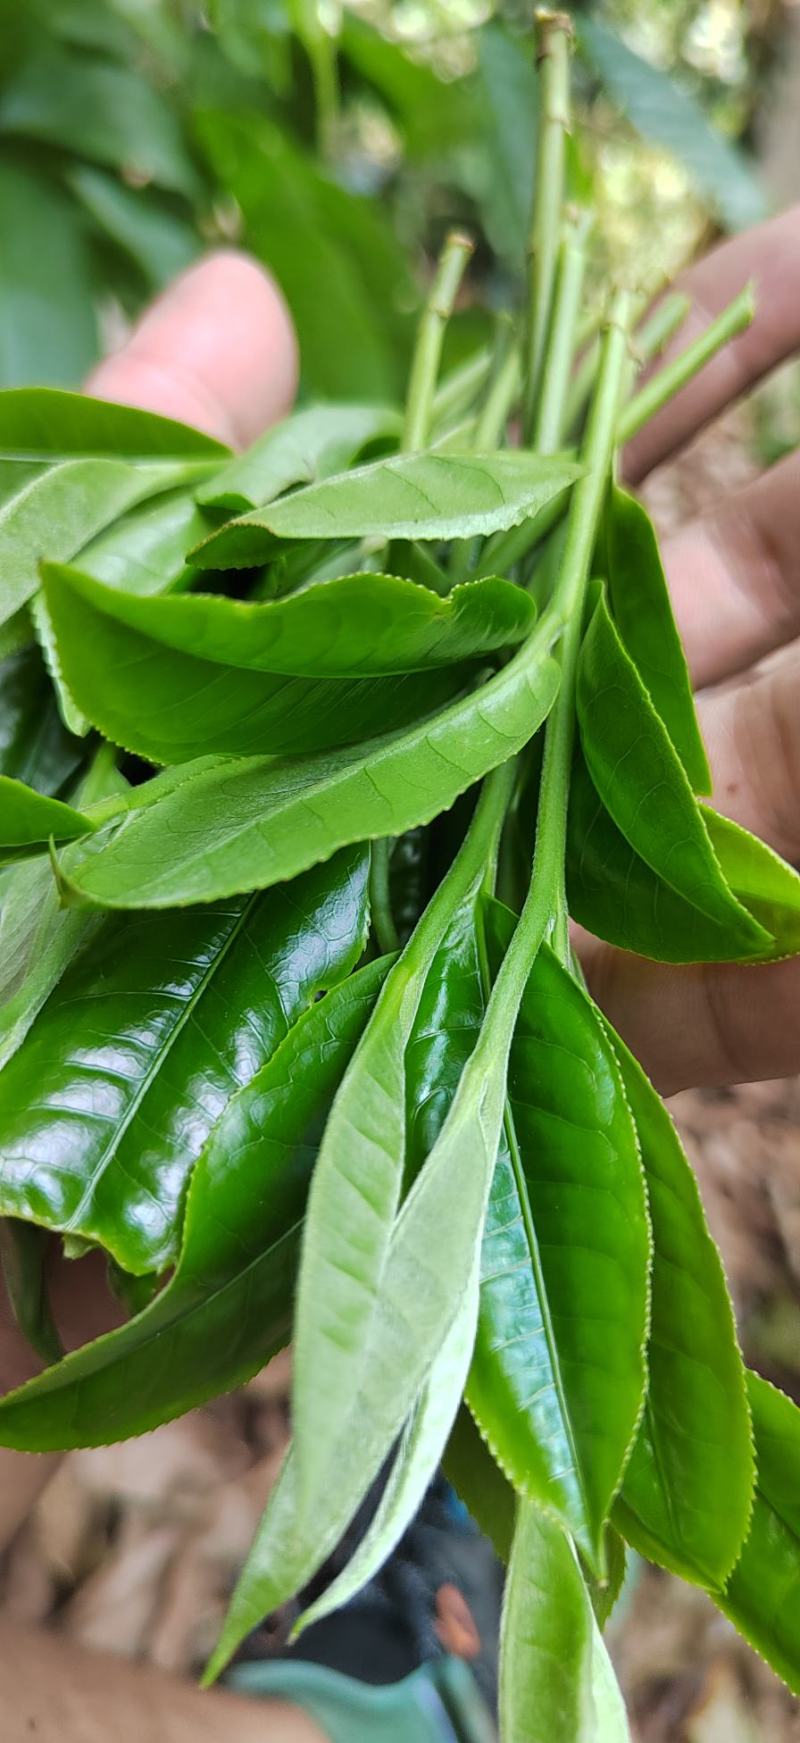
(28, 820)
(144, 551)
(662, 110)
(618, 897)
(642, 783)
(408, 496)
(349, 627)
(214, 669)
(688, 1487)
(559, 1372)
(760, 880)
(196, 704)
(47, 424)
(311, 444)
(762, 1597)
(555, 1679)
(351, 1231)
(424, 1439)
(250, 823)
(60, 510)
(228, 1306)
(642, 612)
(555, 1390)
(110, 1099)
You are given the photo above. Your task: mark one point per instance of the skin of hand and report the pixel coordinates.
(218, 350)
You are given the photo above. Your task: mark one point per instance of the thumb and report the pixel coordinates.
(216, 350)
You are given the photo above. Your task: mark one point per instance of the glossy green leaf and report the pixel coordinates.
(311, 444)
(480, 1483)
(555, 1679)
(60, 510)
(159, 241)
(34, 747)
(618, 897)
(23, 1254)
(197, 705)
(250, 823)
(556, 1390)
(37, 936)
(144, 552)
(28, 820)
(110, 1099)
(688, 1487)
(559, 1372)
(97, 109)
(408, 496)
(642, 783)
(47, 424)
(228, 1306)
(663, 110)
(642, 612)
(762, 1597)
(761, 881)
(418, 1456)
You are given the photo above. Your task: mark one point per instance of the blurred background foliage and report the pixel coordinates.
(338, 142)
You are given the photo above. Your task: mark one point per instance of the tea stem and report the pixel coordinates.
(503, 390)
(430, 336)
(584, 516)
(561, 339)
(668, 381)
(554, 32)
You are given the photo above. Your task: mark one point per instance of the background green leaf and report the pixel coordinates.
(662, 110)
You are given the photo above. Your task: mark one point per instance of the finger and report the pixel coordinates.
(701, 1025)
(770, 257)
(734, 575)
(752, 734)
(217, 350)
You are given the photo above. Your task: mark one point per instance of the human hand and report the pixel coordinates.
(734, 575)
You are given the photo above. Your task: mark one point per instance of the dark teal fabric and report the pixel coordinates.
(439, 1703)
